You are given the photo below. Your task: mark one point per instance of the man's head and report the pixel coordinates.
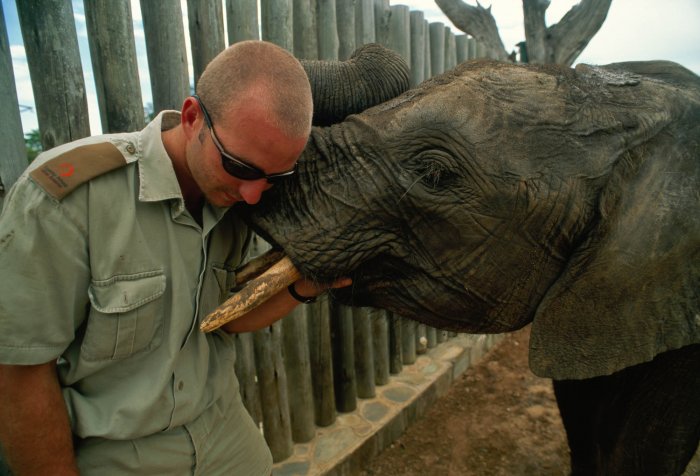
(253, 67)
(254, 104)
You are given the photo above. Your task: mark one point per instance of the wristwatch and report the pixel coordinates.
(299, 297)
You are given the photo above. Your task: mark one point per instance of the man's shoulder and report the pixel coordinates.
(63, 169)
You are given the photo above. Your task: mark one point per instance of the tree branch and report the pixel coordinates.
(572, 34)
(475, 21)
(535, 29)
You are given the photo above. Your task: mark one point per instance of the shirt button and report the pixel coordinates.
(130, 148)
(180, 385)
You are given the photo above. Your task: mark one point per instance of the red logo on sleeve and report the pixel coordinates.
(66, 169)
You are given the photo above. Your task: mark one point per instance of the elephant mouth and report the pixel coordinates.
(256, 282)
(270, 273)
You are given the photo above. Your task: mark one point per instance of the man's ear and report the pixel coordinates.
(632, 288)
(191, 117)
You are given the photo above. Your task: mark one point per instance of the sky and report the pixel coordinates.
(633, 30)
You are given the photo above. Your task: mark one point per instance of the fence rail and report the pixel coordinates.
(298, 374)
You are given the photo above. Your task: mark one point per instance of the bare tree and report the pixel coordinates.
(560, 43)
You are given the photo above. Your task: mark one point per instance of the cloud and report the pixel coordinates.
(23, 84)
(136, 11)
(18, 53)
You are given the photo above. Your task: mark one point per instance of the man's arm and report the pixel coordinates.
(34, 428)
(279, 306)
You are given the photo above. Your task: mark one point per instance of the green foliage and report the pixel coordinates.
(32, 141)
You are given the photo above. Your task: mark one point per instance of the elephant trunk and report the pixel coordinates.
(372, 75)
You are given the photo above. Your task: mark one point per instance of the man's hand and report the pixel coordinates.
(311, 289)
(280, 305)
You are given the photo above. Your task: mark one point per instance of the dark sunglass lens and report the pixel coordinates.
(280, 178)
(240, 171)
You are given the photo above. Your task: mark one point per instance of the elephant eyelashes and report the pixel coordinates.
(432, 173)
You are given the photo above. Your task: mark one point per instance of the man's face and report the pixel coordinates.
(247, 135)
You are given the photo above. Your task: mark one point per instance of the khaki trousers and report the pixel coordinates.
(222, 441)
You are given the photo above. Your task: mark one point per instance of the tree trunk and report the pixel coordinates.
(560, 43)
(563, 42)
(478, 22)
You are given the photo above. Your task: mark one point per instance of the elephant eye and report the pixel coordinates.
(431, 172)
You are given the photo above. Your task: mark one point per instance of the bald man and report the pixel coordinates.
(116, 247)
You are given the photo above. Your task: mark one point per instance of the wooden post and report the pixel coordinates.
(364, 22)
(431, 335)
(450, 49)
(206, 22)
(276, 22)
(408, 341)
(113, 54)
(272, 379)
(364, 352)
(304, 24)
(417, 21)
(345, 16)
(437, 48)
(395, 328)
(167, 54)
(421, 339)
(426, 28)
(51, 43)
(327, 27)
(321, 358)
(14, 157)
(242, 20)
(400, 32)
(462, 46)
(298, 366)
(382, 14)
(246, 374)
(472, 48)
(343, 357)
(380, 340)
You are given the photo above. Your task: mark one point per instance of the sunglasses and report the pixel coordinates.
(237, 167)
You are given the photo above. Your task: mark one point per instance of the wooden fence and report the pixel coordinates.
(296, 375)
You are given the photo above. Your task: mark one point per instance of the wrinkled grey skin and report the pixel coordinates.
(498, 195)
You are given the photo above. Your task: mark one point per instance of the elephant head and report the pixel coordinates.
(497, 195)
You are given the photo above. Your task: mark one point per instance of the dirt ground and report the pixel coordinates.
(497, 419)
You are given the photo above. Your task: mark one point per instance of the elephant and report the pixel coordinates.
(499, 195)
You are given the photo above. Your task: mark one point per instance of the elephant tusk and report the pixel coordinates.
(256, 291)
(256, 266)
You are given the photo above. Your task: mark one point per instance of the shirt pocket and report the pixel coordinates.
(126, 316)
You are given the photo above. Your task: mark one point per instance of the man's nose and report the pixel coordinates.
(251, 191)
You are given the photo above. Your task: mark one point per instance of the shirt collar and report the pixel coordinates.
(156, 173)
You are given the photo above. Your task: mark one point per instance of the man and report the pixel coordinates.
(112, 249)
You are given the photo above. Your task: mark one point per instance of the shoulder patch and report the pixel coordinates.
(66, 172)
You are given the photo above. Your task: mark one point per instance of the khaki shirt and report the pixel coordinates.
(112, 280)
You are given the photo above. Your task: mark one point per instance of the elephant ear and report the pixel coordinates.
(632, 288)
